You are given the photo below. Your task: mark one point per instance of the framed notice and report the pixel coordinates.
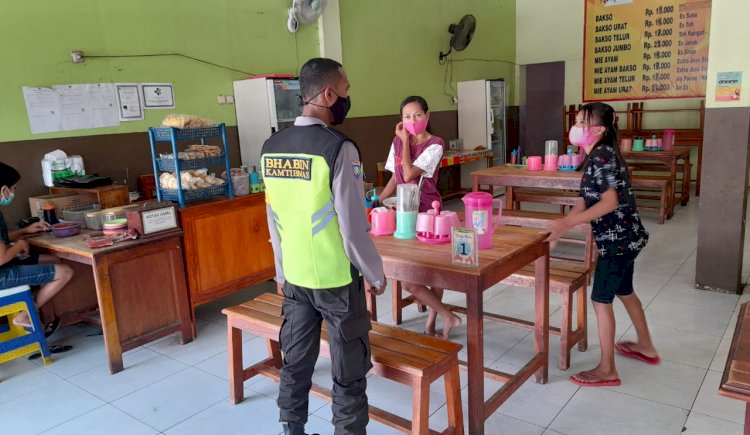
(129, 104)
(157, 95)
(645, 49)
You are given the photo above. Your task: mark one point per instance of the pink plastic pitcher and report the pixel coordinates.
(478, 207)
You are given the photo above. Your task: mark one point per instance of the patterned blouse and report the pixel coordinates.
(621, 231)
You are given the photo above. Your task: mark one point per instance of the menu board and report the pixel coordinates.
(645, 49)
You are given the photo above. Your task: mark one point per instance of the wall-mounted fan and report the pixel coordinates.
(461, 35)
(304, 12)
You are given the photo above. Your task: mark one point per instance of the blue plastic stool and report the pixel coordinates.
(17, 341)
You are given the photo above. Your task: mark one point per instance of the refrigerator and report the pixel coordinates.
(481, 116)
(264, 105)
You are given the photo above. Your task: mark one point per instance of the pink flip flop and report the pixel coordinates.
(625, 350)
(595, 383)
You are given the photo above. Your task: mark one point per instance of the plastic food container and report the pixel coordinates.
(94, 220)
(66, 229)
(78, 214)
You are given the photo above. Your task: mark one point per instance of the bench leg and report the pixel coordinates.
(663, 205)
(583, 344)
(236, 373)
(453, 399)
(565, 330)
(420, 424)
(274, 352)
(396, 302)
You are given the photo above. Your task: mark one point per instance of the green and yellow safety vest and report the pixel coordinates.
(297, 166)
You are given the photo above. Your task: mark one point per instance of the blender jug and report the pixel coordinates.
(407, 206)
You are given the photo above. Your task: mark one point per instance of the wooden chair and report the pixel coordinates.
(397, 354)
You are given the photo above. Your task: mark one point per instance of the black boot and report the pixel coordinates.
(292, 428)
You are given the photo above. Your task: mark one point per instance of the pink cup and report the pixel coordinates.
(534, 163)
(426, 223)
(383, 221)
(626, 145)
(444, 222)
(550, 162)
(565, 160)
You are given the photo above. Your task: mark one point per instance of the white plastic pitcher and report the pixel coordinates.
(478, 216)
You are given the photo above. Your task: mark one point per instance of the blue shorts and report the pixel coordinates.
(19, 272)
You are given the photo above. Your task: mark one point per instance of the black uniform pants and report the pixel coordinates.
(345, 311)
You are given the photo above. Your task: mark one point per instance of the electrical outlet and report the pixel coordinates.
(230, 99)
(222, 99)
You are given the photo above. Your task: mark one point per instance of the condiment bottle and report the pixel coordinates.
(49, 214)
(254, 181)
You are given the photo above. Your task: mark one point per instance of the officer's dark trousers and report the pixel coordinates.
(345, 311)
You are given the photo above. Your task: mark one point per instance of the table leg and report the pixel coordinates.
(541, 323)
(685, 180)
(673, 176)
(509, 205)
(475, 344)
(108, 317)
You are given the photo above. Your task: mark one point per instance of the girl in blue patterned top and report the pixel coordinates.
(607, 201)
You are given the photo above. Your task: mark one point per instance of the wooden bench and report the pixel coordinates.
(661, 184)
(397, 354)
(735, 382)
(566, 276)
(661, 170)
(562, 198)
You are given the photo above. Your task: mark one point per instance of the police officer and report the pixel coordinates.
(316, 216)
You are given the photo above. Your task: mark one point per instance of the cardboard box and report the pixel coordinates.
(60, 201)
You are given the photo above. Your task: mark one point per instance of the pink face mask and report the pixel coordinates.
(416, 128)
(582, 137)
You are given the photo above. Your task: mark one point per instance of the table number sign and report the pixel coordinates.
(464, 250)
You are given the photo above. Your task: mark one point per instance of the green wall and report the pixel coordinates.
(391, 47)
(248, 35)
(390, 50)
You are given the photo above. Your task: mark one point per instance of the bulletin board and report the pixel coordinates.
(645, 49)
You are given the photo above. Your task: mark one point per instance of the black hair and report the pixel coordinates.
(604, 115)
(419, 100)
(316, 74)
(8, 175)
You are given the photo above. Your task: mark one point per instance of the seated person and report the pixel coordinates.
(415, 153)
(17, 265)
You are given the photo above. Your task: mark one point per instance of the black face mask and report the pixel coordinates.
(338, 109)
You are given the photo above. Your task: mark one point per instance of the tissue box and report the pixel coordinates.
(60, 201)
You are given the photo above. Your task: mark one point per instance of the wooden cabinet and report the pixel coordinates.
(114, 195)
(227, 246)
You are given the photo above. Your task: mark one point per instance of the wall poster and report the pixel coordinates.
(645, 49)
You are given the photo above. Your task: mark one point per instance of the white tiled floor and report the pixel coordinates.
(173, 389)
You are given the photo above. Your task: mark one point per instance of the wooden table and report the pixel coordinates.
(140, 287)
(512, 176)
(513, 248)
(670, 160)
(735, 383)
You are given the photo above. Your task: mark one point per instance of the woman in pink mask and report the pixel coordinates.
(607, 202)
(415, 154)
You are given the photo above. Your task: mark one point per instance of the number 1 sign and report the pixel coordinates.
(464, 250)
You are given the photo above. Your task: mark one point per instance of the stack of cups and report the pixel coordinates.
(550, 155)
